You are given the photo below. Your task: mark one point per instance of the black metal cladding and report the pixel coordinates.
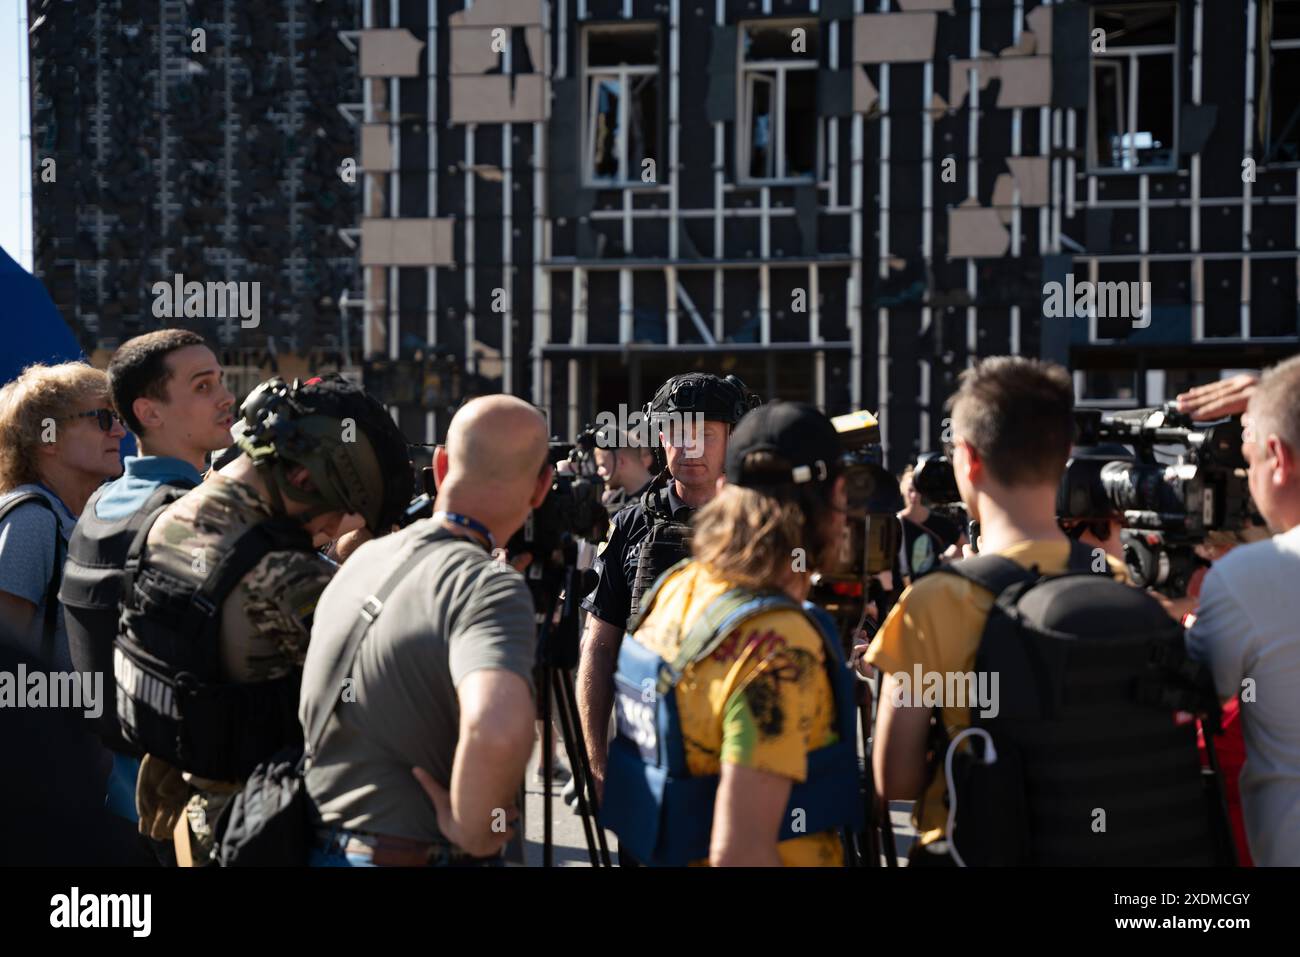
(918, 316)
(217, 163)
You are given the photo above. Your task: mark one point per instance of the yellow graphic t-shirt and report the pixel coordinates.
(761, 700)
(937, 624)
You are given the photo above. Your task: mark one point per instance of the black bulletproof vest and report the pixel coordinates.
(92, 593)
(172, 699)
(1091, 767)
(666, 543)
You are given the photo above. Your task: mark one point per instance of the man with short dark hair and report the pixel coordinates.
(167, 388)
(1012, 422)
(627, 469)
(928, 537)
(1245, 627)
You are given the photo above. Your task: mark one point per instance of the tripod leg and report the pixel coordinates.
(566, 734)
(869, 843)
(585, 784)
(880, 827)
(548, 847)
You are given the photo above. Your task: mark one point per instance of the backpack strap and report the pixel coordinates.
(367, 615)
(997, 574)
(51, 622)
(994, 573)
(250, 547)
(719, 619)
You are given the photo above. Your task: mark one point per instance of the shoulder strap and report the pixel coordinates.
(993, 573)
(719, 618)
(367, 615)
(1081, 558)
(250, 547)
(51, 622)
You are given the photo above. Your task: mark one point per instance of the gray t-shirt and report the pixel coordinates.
(28, 550)
(455, 611)
(1248, 627)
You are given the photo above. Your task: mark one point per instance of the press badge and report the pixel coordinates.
(635, 716)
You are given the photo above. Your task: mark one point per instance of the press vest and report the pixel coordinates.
(658, 809)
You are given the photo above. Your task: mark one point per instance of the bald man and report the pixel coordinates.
(427, 734)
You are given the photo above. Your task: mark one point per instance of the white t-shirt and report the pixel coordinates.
(1247, 631)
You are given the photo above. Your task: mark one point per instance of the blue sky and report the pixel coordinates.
(15, 221)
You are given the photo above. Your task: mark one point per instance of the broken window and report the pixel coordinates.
(1134, 87)
(779, 132)
(1279, 94)
(621, 70)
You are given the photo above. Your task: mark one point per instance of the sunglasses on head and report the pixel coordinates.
(105, 418)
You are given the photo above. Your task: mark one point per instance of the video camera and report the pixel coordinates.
(872, 532)
(1166, 481)
(572, 509)
(1180, 482)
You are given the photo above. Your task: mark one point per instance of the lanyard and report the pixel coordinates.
(464, 521)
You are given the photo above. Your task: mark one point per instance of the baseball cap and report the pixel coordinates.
(796, 432)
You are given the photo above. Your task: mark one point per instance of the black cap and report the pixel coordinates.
(794, 431)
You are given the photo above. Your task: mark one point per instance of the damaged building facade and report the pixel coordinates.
(197, 139)
(842, 202)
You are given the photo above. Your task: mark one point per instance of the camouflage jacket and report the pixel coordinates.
(266, 620)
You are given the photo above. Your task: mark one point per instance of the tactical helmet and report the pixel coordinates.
(702, 393)
(355, 455)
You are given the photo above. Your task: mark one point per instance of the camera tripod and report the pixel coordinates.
(557, 642)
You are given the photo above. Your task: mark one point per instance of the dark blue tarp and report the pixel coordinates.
(31, 329)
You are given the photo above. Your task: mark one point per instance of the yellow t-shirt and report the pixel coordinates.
(761, 700)
(937, 624)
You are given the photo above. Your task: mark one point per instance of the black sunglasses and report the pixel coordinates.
(105, 418)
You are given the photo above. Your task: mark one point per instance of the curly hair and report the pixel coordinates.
(39, 396)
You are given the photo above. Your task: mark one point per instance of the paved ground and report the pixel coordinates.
(571, 847)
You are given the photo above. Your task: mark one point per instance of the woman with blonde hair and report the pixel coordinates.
(59, 439)
(736, 736)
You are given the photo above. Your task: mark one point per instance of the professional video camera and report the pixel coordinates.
(1165, 480)
(871, 534)
(571, 510)
(1180, 482)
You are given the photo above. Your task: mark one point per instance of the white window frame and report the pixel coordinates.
(1130, 57)
(623, 76)
(776, 129)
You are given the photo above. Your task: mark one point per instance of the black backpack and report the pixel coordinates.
(1090, 764)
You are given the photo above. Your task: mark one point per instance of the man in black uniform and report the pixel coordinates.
(693, 415)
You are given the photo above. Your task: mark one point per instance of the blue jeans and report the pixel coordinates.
(328, 852)
(334, 857)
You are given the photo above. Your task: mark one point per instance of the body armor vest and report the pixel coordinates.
(666, 543)
(92, 593)
(172, 699)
